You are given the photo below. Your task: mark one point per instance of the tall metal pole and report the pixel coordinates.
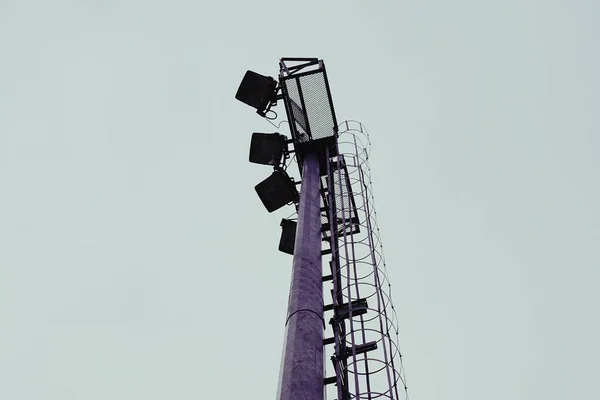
(302, 369)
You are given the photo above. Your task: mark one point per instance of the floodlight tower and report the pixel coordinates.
(335, 208)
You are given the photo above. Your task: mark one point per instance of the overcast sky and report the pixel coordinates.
(137, 262)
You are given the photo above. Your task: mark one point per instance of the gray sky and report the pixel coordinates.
(136, 261)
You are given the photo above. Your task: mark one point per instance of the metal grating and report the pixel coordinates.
(347, 218)
(310, 106)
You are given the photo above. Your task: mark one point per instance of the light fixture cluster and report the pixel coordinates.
(279, 189)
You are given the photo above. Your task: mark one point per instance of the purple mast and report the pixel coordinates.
(302, 365)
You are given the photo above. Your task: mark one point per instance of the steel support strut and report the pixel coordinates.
(302, 369)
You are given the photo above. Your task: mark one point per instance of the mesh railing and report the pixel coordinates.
(310, 106)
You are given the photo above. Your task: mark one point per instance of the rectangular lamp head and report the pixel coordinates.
(267, 148)
(277, 190)
(288, 236)
(256, 90)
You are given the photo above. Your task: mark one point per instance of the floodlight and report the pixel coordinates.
(277, 190)
(267, 148)
(288, 236)
(257, 91)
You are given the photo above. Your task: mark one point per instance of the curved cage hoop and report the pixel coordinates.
(371, 367)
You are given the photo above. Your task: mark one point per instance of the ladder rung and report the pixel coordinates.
(361, 348)
(330, 380)
(327, 341)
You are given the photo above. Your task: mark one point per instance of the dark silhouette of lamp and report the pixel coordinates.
(257, 91)
(277, 190)
(288, 236)
(267, 148)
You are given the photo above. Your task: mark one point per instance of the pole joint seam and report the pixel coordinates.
(309, 310)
